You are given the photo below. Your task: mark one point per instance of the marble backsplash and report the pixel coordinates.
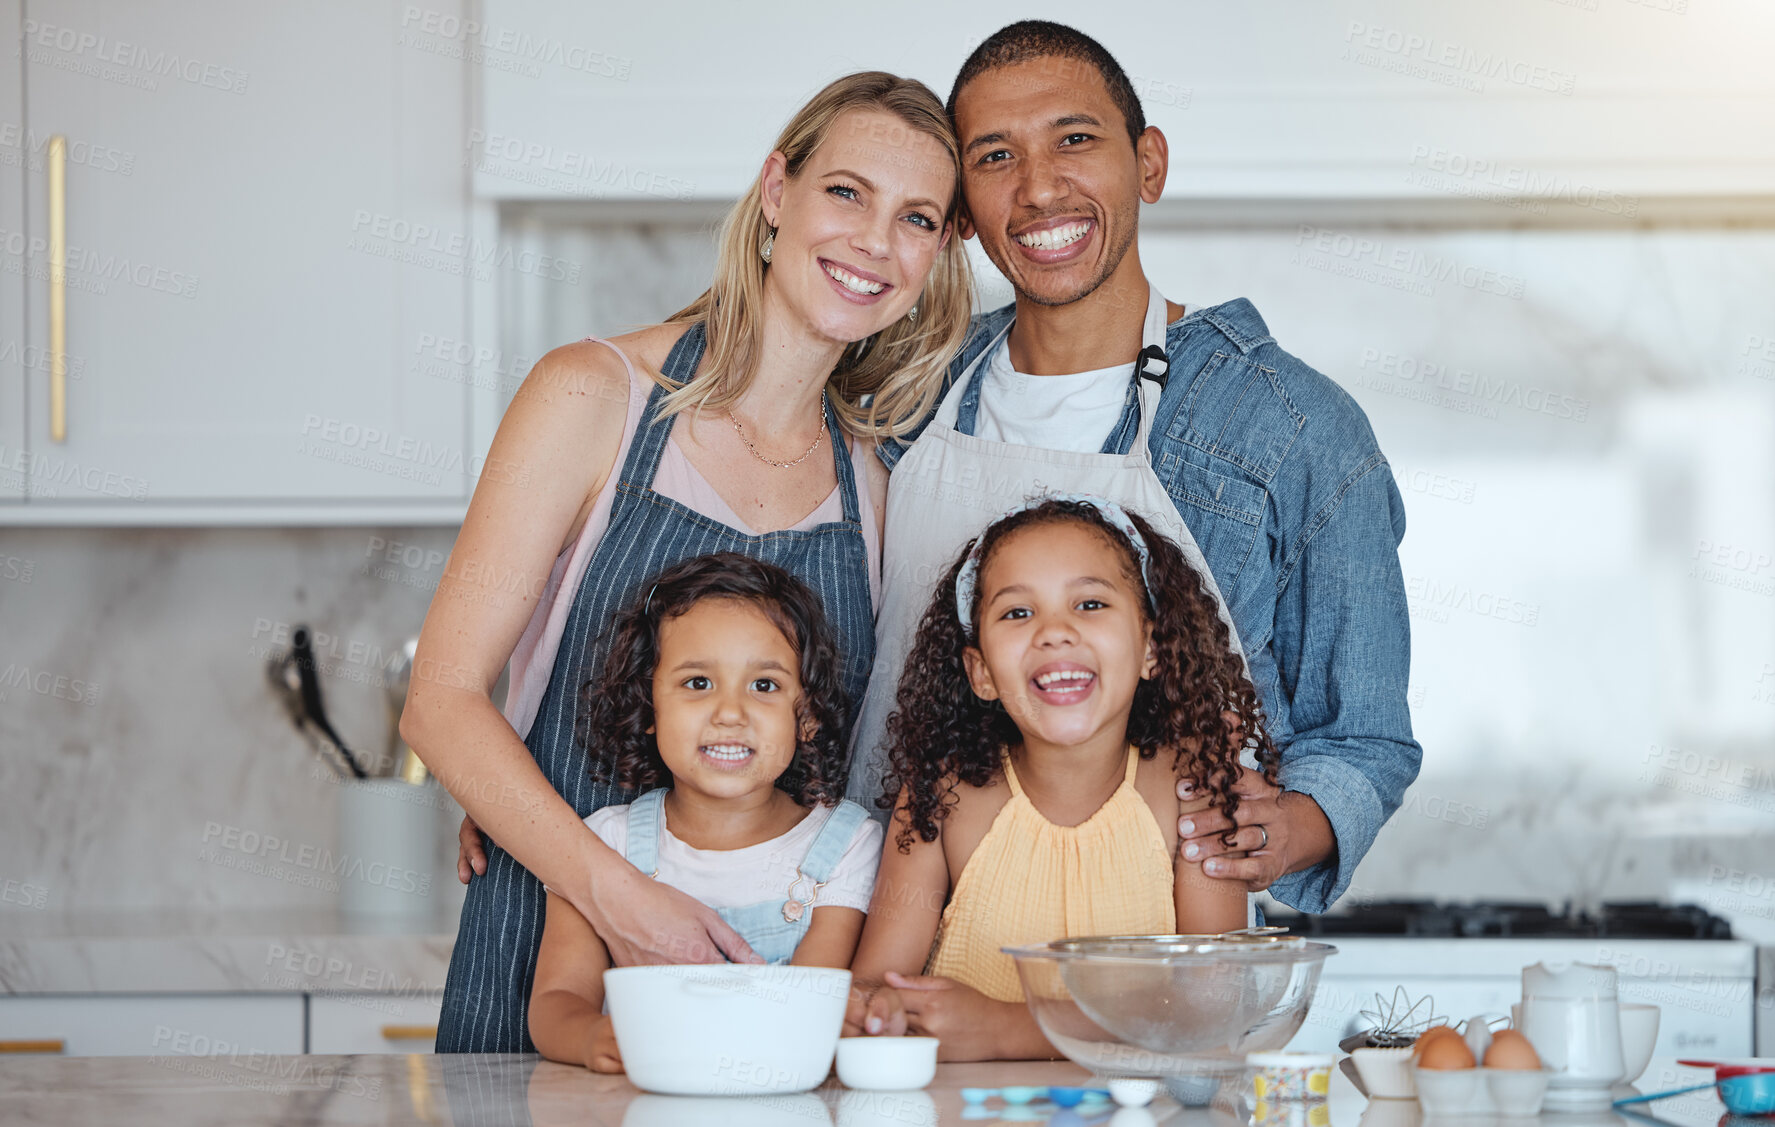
(148, 764)
(1582, 424)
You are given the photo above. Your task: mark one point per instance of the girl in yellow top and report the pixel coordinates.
(1069, 672)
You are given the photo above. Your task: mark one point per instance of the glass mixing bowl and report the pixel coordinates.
(1170, 1005)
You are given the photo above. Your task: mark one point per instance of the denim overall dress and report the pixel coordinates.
(487, 991)
(776, 926)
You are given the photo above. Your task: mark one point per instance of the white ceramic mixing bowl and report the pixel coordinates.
(727, 1030)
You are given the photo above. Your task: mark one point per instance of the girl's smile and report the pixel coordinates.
(1063, 683)
(728, 754)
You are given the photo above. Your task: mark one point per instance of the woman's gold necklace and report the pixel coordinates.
(732, 418)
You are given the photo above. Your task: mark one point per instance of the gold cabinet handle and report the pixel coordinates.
(58, 288)
(53, 1046)
(409, 1033)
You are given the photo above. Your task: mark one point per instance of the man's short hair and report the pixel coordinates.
(1041, 39)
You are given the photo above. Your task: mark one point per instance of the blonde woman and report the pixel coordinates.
(745, 423)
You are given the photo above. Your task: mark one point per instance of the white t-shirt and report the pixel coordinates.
(1071, 412)
(733, 878)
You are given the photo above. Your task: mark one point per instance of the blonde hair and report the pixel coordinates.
(887, 383)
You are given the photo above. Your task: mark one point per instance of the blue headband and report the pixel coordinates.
(1114, 514)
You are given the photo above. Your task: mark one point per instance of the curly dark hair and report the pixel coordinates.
(616, 708)
(940, 734)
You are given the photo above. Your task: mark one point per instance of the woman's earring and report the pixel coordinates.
(764, 251)
(912, 314)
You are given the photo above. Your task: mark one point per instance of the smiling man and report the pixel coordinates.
(1093, 382)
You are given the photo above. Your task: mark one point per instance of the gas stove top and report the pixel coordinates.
(1499, 919)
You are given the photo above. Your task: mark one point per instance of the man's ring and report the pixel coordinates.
(1265, 843)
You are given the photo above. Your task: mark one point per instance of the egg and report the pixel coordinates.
(1444, 1051)
(1510, 1049)
(1430, 1035)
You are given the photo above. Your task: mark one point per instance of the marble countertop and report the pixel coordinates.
(525, 1091)
(167, 951)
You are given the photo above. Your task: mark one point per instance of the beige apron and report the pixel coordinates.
(949, 487)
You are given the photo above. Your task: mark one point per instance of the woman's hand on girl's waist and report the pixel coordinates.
(644, 922)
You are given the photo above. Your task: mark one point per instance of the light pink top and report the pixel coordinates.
(533, 660)
(752, 874)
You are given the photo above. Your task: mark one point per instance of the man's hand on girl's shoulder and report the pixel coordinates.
(1274, 832)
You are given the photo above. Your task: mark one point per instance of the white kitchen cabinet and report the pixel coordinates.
(268, 234)
(176, 1025)
(373, 1023)
(15, 159)
(1590, 104)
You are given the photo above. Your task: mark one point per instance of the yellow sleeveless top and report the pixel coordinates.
(1031, 881)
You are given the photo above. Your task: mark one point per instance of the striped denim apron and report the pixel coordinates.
(487, 990)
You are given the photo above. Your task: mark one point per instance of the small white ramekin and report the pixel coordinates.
(1386, 1073)
(887, 1064)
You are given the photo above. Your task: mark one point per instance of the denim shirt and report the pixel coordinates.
(1277, 474)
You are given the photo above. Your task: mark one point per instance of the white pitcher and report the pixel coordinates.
(1571, 1014)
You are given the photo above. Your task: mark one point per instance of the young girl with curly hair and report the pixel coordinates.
(721, 700)
(1070, 670)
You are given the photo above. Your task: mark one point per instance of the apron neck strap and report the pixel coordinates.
(1154, 363)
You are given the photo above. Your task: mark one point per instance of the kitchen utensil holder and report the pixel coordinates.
(389, 846)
